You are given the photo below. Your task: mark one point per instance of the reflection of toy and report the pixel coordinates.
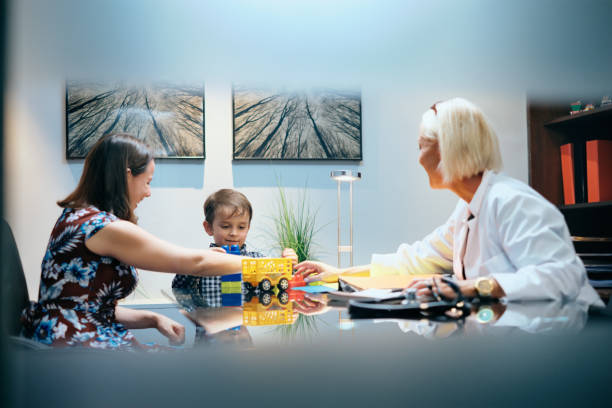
(265, 273)
(274, 311)
(296, 295)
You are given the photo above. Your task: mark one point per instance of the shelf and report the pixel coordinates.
(583, 206)
(583, 117)
(593, 239)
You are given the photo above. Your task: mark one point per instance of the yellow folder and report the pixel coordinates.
(382, 282)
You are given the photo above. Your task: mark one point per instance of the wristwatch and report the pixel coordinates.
(484, 286)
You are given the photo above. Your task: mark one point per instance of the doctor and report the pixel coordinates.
(503, 240)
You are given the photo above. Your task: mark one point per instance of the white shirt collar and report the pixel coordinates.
(481, 191)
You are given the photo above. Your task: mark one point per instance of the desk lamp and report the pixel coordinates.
(346, 176)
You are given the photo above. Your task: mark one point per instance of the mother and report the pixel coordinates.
(93, 251)
(502, 240)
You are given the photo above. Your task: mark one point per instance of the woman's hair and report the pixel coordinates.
(468, 145)
(104, 179)
(227, 199)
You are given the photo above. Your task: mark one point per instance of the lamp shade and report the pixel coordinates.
(345, 175)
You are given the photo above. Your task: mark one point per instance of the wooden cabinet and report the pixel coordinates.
(549, 127)
(590, 224)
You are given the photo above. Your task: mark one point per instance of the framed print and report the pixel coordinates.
(168, 117)
(313, 124)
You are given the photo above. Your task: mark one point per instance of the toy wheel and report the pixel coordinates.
(265, 299)
(265, 285)
(283, 284)
(283, 298)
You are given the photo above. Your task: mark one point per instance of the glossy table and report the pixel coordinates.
(536, 354)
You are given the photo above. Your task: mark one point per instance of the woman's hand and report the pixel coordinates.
(319, 270)
(290, 253)
(218, 249)
(174, 331)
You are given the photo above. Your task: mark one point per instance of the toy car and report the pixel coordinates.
(265, 273)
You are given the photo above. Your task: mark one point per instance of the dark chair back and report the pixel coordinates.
(13, 289)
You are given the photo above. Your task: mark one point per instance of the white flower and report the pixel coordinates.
(72, 317)
(82, 337)
(59, 331)
(76, 215)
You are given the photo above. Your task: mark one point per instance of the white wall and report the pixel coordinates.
(404, 55)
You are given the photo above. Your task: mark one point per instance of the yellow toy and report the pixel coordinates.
(265, 273)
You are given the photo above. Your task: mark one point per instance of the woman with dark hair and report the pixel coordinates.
(93, 251)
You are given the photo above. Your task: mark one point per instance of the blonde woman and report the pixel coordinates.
(503, 240)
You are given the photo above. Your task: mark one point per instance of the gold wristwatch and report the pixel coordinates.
(484, 286)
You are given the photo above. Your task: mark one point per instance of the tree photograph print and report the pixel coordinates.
(168, 117)
(316, 124)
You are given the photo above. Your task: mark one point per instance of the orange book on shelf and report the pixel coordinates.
(599, 170)
(567, 173)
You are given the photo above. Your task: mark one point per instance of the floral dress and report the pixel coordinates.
(79, 289)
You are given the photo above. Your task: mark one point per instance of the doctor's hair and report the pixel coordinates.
(103, 182)
(231, 202)
(468, 145)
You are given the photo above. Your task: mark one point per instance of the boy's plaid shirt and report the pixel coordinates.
(203, 291)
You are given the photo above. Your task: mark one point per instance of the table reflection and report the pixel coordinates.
(293, 315)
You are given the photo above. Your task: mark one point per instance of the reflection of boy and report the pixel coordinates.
(228, 216)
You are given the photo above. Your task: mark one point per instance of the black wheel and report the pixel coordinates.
(265, 285)
(247, 287)
(283, 298)
(283, 284)
(265, 298)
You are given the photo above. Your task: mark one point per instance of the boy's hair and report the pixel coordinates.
(233, 200)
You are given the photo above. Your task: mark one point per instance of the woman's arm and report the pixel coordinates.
(145, 319)
(134, 246)
(536, 240)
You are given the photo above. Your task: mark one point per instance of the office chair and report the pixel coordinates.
(13, 290)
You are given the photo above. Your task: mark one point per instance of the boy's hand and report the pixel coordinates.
(290, 253)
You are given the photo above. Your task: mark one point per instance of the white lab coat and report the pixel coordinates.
(516, 236)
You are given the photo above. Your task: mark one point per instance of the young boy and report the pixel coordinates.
(228, 216)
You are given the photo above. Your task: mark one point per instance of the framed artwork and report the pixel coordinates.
(314, 124)
(168, 117)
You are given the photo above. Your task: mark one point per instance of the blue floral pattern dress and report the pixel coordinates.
(79, 289)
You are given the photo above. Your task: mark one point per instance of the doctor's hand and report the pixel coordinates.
(312, 304)
(436, 288)
(313, 271)
(217, 249)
